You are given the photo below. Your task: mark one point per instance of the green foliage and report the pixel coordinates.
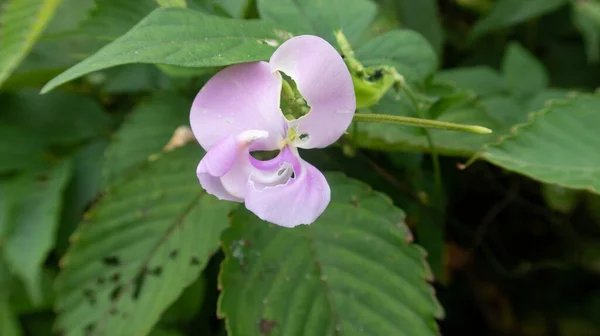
(506, 13)
(321, 18)
(331, 278)
(151, 234)
(556, 145)
(104, 229)
(32, 204)
(22, 22)
(205, 41)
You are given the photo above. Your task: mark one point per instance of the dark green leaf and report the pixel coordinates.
(144, 133)
(524, 74)
(558, 145)
(33, 218)
(22, 22)
(407, 51)
(143, 243)
(56, 118)
(182, 37)
(319, 17)
(482, 80)
(506, 13)
(352, 272)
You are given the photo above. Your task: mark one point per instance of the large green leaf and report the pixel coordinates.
(506, 13)
(352, 272)
(32, 217)
(22, 22)
(320, 17)
(143, 243)
(146, 131)
(407, 51)
(524, 74)
(182, 37)
(558, 145)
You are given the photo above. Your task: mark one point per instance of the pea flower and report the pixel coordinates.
(238, 111)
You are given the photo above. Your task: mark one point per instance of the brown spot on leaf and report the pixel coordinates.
(266, 326)
(111, 261)
(116, 293)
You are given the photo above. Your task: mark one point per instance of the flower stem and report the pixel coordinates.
(419, 122)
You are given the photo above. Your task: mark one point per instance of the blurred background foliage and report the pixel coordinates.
(514, 244)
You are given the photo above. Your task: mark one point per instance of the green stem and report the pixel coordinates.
(419, 122)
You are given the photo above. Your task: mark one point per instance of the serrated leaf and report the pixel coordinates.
(407, 51)
(22, 22)
(558, 145)
(320, 18)
(482, 80)
(57, 118)
(33, 216)
(142, 244)
(506, 13)
(146, 131)
(181, 37)
(524, 74)
(352, 272)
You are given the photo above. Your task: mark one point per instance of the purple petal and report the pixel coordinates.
(239, 98)
(325, 82)
(225, 168)
(300, 200)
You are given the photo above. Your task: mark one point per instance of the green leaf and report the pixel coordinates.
(113, 18)
(22, 22)
(56, 118)
(407, 51)
(84, 188)
(524, 74)
(33, 217)
(146, 131)
(482, 80)
(187, 305)
(20, 148)
(182, 37)
(423, 17)
(558, 145)
(586, 17)
(560, 199)
(172, 3)
(320, 18)
(506, 13)
(143, 243)
(352, 272)
(9, 324)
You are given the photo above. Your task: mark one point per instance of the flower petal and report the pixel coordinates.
(300, 200)
(325, 83)
(239, 98)
(222, 163)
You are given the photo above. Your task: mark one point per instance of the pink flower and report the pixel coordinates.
(238, 112)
